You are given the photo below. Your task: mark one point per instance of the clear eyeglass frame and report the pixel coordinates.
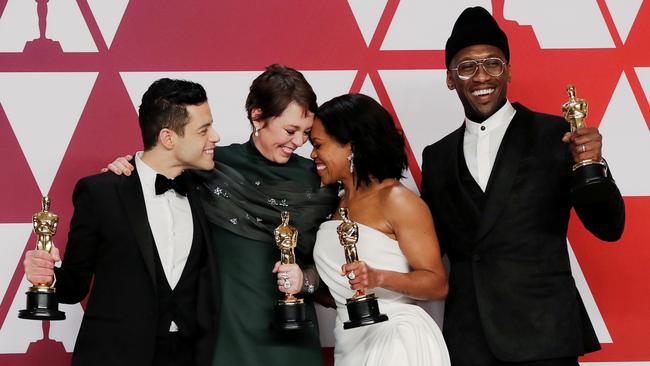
(474, 64)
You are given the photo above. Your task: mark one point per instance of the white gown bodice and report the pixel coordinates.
(409, 337)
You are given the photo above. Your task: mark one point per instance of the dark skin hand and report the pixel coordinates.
(585, 144)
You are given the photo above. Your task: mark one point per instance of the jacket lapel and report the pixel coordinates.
(130, 192)
(505, 170)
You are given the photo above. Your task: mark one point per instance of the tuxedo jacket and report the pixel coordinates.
(110, 244)
(510, 281)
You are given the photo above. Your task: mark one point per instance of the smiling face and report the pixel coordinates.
(195, 149)
(280, 136)
(330, 156)
(482, 94)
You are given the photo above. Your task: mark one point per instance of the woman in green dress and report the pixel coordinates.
(243, 197)
(252, 183)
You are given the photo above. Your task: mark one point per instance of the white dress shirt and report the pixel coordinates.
(170, 219)
(482, 140)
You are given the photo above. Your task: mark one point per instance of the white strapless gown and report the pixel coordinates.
(409, 337)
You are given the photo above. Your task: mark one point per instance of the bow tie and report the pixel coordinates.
(178, 184)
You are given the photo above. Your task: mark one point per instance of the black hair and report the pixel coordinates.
(163, 106)
(377, 145)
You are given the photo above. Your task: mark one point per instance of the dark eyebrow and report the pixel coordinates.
(205, 125)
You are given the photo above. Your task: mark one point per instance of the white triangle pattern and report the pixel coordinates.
(227, 91)
(425, 24)
(14, 238)
(367, 14)
(427, 110)
(368, 89)
(66, 24)
(66, 331)
(43, 110)
(18, 25)
(588, 299)
(581, 23)
(624, 14)
(625, 135)
(108, 15)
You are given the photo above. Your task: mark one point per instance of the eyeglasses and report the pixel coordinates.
(494, 67)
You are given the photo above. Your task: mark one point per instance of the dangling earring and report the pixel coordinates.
(257, 132)
(350, 157)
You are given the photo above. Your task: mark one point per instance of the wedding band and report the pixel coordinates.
(352, 275)
(584, 148)
(287, 284)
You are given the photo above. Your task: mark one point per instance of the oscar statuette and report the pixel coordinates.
(590, 178)
(289, 313)
(363, 308)
(41, 298)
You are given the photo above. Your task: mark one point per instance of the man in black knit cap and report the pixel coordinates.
(500, 191)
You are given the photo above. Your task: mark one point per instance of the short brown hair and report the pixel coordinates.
(276, 88)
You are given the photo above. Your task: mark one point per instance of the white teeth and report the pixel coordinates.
(320, 166)
(478, 93)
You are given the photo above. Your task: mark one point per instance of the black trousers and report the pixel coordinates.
(476, 352)
(174, 349)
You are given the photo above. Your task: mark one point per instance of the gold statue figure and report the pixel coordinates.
(41, 298)
(45, 224)
(575, 110)
(363, 308)
(286, 238)
(348, 232)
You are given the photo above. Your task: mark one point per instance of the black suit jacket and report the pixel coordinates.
(110, 242)
(510, 277)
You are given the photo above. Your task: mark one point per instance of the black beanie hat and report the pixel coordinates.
(475, 26)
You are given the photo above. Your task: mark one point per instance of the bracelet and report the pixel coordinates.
(311, 280)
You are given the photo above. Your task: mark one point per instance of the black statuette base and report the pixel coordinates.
(290, 316)
(363, 311)
(41, 306)
(590, 183)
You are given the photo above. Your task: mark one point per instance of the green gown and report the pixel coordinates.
(243, 210)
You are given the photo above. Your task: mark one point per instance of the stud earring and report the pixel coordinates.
(350, 157)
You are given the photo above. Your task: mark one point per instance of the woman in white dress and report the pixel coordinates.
(356, 143)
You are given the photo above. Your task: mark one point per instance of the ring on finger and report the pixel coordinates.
(352, 275)
(284, 275)
(584, 148)
(286, 284)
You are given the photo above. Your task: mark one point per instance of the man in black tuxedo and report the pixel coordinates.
(499, 188)
(141, 239)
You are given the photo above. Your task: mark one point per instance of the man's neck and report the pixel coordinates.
(481, 119)
(162, 162)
